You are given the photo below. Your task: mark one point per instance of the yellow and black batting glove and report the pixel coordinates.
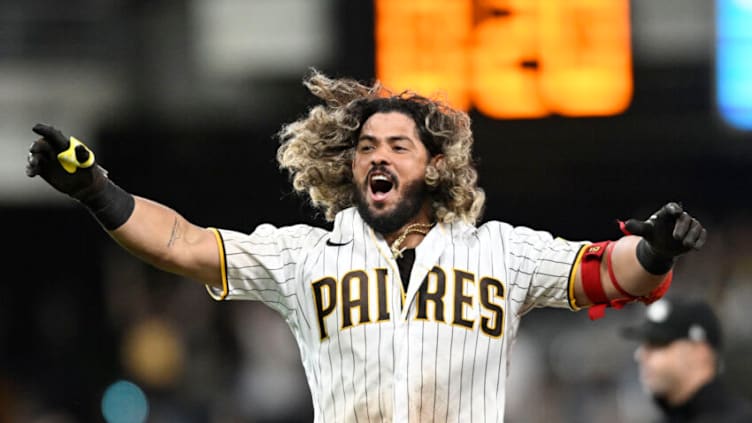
(65, 163)
(70, 167)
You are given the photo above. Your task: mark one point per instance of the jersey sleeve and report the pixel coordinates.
(542, 266)
(262, 266)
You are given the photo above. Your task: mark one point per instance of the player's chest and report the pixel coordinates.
(438, 297)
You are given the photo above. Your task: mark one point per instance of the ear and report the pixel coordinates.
(433, 170)
(437, 161)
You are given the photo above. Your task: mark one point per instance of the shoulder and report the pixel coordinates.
(495, 227)
(504, 230)
(738, 406)
(303, 234)
(292, 236)
(490, 233)
(719, 402)
(348, 225)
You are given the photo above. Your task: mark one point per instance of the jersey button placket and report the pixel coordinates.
(401, 367)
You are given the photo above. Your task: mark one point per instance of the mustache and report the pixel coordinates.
(380, 168)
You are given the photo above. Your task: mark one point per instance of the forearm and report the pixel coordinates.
(629, 273)
(161, 237)
(638, 265)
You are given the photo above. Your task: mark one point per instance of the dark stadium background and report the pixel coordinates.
(62, 328)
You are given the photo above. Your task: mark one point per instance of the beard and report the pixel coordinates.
(386, 223)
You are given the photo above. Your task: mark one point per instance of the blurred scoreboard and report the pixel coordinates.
(521, 59)
(509, 58)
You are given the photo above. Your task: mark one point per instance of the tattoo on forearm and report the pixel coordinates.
(174, 234)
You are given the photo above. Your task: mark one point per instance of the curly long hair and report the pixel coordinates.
(317, 150)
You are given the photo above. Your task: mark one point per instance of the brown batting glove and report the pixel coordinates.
(70, 167)
(667, 234)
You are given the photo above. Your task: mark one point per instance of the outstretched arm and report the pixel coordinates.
(151, 231)
(165, 239)
(637, 266)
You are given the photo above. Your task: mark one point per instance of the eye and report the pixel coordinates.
(365, 147)
(399, 147)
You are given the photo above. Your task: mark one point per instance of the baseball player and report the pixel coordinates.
(405, 310)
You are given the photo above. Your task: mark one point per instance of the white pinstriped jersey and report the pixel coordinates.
(373, 353)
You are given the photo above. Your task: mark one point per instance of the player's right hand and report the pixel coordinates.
(65, 163)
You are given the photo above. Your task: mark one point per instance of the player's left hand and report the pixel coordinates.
(667, 234)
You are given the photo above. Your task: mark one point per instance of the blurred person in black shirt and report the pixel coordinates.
(680, 362)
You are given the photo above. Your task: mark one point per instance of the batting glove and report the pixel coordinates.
(667, 234)
(65, 163)
(70, 167)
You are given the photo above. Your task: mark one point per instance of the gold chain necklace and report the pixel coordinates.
(420, 228)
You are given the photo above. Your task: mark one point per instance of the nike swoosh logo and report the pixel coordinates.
(331, 243)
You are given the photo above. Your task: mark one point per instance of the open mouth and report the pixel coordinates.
(380, 184)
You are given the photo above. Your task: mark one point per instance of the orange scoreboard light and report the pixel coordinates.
(509, 59)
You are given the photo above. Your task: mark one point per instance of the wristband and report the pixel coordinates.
(651, 262)
(111, 206)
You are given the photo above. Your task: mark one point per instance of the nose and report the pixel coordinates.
(380, 156)
(641, 353)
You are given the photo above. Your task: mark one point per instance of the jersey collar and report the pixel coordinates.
(344, 224)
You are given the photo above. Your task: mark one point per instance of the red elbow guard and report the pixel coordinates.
(660, 290)
(590, 267)
(593, 285)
